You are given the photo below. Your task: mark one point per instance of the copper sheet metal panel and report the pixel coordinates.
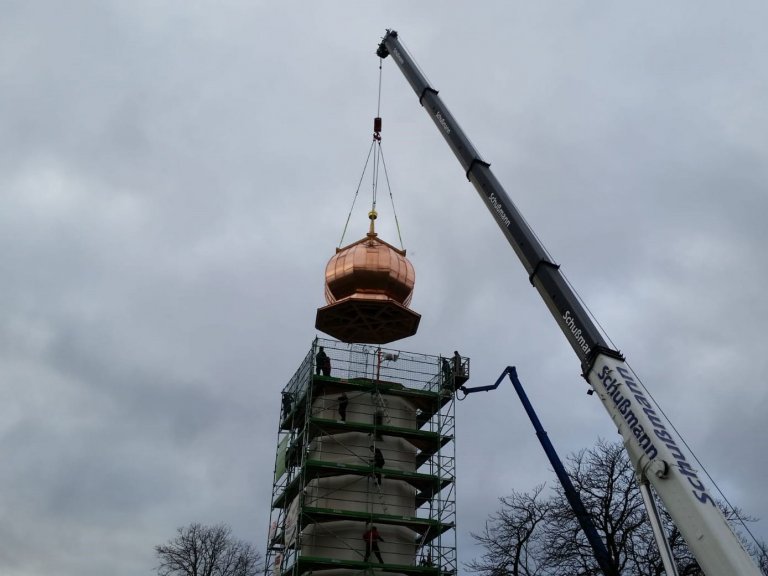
(368, 286)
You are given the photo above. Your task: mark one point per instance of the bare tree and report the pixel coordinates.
(513, 536)
(537, 535)
(761, 551)
(605, 481)
(199, 550)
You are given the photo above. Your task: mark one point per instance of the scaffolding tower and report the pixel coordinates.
(366, 439)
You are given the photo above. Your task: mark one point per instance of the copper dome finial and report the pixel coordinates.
(368, 286)
(372, 216)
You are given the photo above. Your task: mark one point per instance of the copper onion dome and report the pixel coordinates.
(368, 286)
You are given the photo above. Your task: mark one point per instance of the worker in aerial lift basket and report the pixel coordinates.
(372, 538)
(457, 368)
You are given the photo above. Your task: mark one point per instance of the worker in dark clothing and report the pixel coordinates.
(378, 464)
(457, 363)
(371, 537)
(322, 363)
(378, 422)
(291, 456)
(343, 403)
(447, 372)
(287, 400)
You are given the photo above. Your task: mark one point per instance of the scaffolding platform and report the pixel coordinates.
(426, 401)
(425, 484)
(311, 563)
(427, 528)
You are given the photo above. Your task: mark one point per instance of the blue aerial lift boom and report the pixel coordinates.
(585, 520)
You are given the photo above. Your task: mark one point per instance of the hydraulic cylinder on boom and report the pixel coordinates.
(656, 451)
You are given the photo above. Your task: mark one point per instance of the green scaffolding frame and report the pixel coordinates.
(359, 369)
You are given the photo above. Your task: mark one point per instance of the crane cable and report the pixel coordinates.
(360, 182)
(391, 198)
(377, 165)
(376, 140)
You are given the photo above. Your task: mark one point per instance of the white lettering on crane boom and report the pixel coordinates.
(581, 342)
(442, 122)
(499, 210)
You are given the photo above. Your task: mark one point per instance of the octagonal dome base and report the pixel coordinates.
(358, 320)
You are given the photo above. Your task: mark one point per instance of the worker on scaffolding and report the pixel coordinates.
(378, 464)
(322, 363)
(372, 539)
(343, 403)
(447, 373)
(287, 403)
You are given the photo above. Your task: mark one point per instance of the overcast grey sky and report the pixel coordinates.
(175, 175)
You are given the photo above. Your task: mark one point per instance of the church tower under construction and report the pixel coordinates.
(365, 442)
(365, 468)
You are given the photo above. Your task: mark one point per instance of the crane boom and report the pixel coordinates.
(656, 451)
